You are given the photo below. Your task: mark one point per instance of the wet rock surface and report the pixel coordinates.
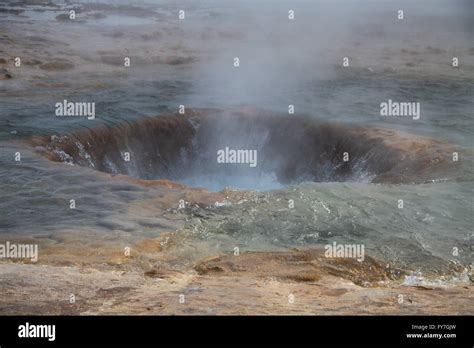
(251, 283)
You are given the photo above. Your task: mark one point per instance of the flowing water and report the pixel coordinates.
(282, 62)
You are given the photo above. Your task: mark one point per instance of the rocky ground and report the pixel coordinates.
(286, 283)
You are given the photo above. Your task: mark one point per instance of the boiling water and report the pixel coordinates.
(282, 63)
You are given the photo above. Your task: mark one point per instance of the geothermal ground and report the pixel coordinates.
(171, 231)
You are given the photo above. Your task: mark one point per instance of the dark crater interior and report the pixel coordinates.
(290, 150)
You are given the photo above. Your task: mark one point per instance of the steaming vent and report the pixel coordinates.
(289, 150)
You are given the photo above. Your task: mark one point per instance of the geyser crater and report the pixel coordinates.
(291, 150)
